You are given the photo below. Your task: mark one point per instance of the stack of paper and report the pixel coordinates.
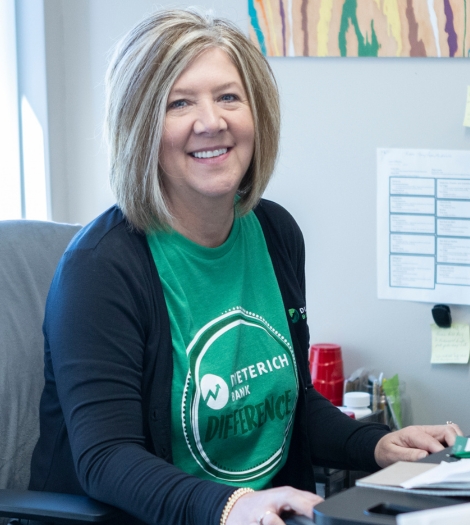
(446, 479)
(455, 475)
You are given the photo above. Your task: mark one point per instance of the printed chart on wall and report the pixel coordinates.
(423, 225)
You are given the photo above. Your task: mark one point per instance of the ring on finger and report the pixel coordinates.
(261, 518)
(449, 422)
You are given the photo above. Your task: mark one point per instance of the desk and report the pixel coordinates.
(361, 506)
(364, 506)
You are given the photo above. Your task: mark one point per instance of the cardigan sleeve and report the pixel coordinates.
(336, 440)
(99, 313)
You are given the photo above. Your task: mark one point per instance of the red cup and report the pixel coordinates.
(326, 370)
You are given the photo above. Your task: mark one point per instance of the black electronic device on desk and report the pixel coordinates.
(363, 506)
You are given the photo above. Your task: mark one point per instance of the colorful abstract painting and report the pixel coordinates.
(364, 28)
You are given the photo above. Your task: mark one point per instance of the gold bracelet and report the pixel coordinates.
(231, 502)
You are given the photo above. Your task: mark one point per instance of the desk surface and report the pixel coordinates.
(363, 506)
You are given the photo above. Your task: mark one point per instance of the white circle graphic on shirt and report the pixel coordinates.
(207, 417)
(214, 391)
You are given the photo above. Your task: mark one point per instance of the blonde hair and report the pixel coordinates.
(144, 68)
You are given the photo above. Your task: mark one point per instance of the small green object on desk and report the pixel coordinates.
(461, 448)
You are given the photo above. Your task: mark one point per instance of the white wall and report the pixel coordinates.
(336, 112)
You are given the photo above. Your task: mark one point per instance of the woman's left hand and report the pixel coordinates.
(415, 442)
(264, 507)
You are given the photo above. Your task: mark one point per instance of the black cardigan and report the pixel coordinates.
(105, 409)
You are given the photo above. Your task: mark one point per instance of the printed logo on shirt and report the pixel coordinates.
(297, 314)
(214, 391)
(247, 409)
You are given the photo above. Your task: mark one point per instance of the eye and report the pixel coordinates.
(176, 104)
(229, 97)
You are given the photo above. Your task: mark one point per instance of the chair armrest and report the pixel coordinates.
(50, 506)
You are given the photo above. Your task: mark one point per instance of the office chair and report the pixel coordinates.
(29, 253)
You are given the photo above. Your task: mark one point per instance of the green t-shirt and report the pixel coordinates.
(235, 383)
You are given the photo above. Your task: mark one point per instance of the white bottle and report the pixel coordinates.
(358, 403)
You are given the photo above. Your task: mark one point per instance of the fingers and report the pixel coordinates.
(444, 434)
(415, 442)
(397, 446)
(428, 438)
(269, 518)
(455, 427)
(300, 502)
(410, 454)
(408, 444)
(265, 507)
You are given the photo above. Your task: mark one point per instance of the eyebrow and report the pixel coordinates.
(222, 87)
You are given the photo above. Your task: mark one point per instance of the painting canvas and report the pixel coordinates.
(361, 28)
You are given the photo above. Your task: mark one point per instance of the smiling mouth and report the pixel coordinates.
(209, 154)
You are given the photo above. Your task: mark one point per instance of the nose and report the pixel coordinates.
(209, 119)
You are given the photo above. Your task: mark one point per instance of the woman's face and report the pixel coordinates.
(208, 138)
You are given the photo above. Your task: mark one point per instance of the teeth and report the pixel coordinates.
(209, 154)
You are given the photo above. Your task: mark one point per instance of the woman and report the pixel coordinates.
(177, 385)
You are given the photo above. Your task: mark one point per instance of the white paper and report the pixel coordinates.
(442, 475)
(450, 515)
(423, 225)
(396, 476)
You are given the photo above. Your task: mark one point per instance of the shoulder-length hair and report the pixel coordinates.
(144, 68)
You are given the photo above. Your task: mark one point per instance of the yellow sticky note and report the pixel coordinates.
(450, 345)
(466, 119)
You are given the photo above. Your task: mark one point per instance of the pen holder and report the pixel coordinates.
(326, 371)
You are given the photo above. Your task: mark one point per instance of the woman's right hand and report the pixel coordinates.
(264, 507)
